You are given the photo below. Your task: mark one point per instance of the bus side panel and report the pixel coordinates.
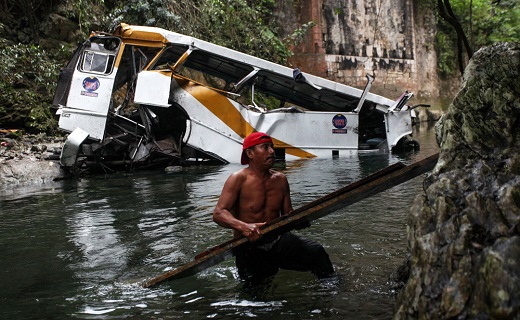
(318, 133)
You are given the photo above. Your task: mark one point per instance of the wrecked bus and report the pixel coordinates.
(146, 97)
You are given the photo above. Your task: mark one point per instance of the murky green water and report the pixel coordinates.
(80, 249)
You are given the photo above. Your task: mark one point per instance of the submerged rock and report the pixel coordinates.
(464, 230)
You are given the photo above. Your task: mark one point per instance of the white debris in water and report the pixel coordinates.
(89, 310)
(246, 303)
(188, 294)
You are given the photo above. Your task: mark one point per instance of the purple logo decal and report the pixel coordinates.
(91, 84)
(339, 122)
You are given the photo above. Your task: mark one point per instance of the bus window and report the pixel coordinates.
(100, 55)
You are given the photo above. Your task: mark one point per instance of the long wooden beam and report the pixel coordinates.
(377, 182)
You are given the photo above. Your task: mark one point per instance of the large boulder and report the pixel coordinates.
(464, 230)
(60, 28)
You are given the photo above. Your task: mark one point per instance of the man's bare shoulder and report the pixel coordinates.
(239, 175)
(277, 174)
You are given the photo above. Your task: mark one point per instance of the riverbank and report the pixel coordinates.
(29, 159)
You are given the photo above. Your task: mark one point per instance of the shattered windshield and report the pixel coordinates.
(100, 54)
(95, 62)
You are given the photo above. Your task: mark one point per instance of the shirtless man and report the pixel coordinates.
(250, 198)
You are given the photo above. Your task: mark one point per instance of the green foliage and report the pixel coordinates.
(25, 14)
(85, 11)
(298, 35)
(243, 25)
(144, 12)
(445, 54)
(507, 19)
(484, 22)
(27, 82)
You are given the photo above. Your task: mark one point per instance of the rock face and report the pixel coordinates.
(464, 230)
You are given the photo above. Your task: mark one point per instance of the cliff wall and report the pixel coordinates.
(391, 39)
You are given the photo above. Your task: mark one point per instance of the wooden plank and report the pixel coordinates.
(377, 182)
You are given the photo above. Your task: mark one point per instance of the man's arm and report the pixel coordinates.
(222, 214)
(287, 204)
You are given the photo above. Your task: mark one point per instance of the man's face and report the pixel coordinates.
(263, 154)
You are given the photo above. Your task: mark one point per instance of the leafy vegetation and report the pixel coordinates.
(27, 82)
(483, 22)
(445, 54)
(244, 25)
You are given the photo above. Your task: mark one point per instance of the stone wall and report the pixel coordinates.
(391, 39)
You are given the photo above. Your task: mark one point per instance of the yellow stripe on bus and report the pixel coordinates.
(221, 107)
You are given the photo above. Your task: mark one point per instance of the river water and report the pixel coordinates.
(81, 249)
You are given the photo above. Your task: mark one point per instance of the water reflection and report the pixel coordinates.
(82, 248)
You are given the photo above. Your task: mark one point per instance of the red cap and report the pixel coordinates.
(252, 140)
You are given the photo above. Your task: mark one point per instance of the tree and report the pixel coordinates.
(474, 24)
(446, 12)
